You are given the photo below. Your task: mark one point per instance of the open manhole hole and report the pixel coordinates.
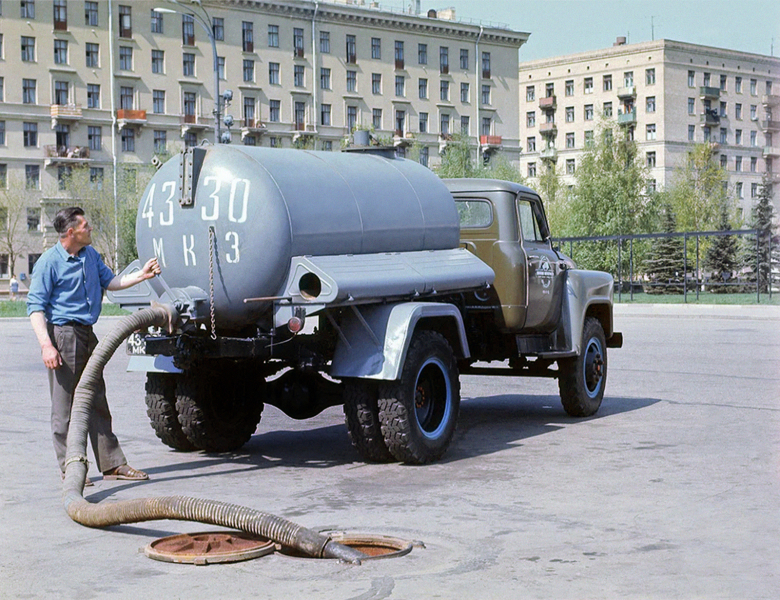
(209, 547)
(373, 546)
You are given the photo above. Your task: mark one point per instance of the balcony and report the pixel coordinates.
(550, 153)
(548, 103)
(771, 151)
(128, 118)
(193, 123)
(707, 92)
(401, 140)
(64, 113)
(493, 141)
(627, 117)
(251, 127)
(770, 100)
(399, 64)
(709, 118)
(548, 129)
(62, 155)
(770, 125)
(628, 91)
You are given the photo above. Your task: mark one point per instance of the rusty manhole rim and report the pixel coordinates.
(392, 547)
(250, 546)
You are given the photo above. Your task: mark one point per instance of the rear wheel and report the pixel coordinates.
(219, 408)
(418, 413)
(161, 408)
(362, 417)
(581, 380)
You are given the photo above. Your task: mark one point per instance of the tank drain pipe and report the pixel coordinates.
(179, 508)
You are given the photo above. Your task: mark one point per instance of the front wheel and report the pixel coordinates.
(418, 412)
(581, 380)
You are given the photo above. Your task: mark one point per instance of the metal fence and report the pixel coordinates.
(693, 280)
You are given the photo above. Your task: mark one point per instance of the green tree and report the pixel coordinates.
(13, 222)
(761, 219)
(698, 190)
(721, 256)
(555, 198)
(460, 159)
(664, 263)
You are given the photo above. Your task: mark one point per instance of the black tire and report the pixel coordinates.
(219, 408)
(362, 417)
(581, 380)
(161, 409)
(419, 412)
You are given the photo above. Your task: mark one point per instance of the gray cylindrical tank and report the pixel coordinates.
(268, 205)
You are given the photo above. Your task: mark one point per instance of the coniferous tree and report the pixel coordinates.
(756, 250)
(665, 262)
(721, 257)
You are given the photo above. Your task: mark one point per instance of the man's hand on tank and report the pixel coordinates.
(151, 268)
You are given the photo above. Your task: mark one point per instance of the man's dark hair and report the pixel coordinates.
(67, 218)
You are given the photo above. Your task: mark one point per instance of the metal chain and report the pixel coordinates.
(212, 236)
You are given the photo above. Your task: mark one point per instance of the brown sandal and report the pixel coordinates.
(125, 472)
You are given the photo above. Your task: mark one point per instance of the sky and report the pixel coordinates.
(569, 26)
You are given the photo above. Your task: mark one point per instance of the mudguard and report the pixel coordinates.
(583, 290)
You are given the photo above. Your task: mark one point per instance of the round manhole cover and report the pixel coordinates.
(209, 547)
(373, 546)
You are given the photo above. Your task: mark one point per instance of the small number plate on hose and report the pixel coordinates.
(136, 344)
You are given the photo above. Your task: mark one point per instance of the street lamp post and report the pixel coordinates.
(207, 23)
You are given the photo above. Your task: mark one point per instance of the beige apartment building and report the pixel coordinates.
(87, 83)
(669, 95)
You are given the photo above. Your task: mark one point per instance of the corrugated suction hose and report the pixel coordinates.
(179, 508)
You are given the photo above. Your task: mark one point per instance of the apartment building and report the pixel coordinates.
(84, 83)
(669, 95)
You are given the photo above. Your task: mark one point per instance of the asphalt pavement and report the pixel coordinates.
(670, 491)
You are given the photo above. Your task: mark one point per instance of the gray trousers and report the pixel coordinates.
(75, 344)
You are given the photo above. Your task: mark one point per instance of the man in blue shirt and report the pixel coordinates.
(64, 301)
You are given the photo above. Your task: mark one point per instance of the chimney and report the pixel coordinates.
(620, 41)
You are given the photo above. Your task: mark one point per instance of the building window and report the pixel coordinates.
(444, 124)
(651, 131)
(650, 160)
(30, 135)
(376, 48)
(274, 111)
(60, 52)
(723, 135)
(325, 42)
(589, 85)
(92, 55)
(723, 161)
(376, 83)
(352, 49)
(29, 91)
(2, 138)
(444, 90)
(753, 87)
(32, 177)
(465, 124)
(125, 58)
(568, 87)
(300, 116)
(274, 142)
(607, 83)
(218, 29)
(249, 69)
(570, 140)
(157, 22)
(158, 102)
(221, 68)
(422, 54)
(298, 72)
(753, 190)
(753, 139)
(570, 166)
(768, 88)
(33, 219)
(753, 164)
(400, 86)
(128, 139)
(738, 85)
(738, 164)
(707, 133)
(325, 114)
(298, 45)
(530, 93)
(423, 122)
(649, 76)
(351, 117)
(588, 112)
(723, 83)
(125, 22)
(188, 30)
(608, 109)
(158, 60)
(588, 138)
(650, 104)
(738, 111)
(531, 169)
(399, 54)
(485, 94)
(531, 144)
(190, 102)
(324, 78)
(570, 114)
(352, 81)
(93, 95)
(549, 90)
(740, 191)
(464, 61)
(273, 73)
(95, 137)
(444, 60)
(2, 82)
(628, 79)
(27, 9)
(691, 106)
(464, 93)
(249, 111)
(485, 63)
(530, 118)
(160, 141)
(190, 139)
(422, 88)
(487, 126)
(691, 78)
(28, 49)
(424, 155)
(753, 112)
(376, 118)
(738, 137)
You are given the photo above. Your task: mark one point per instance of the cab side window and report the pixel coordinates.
(474, 214)
(529, 228)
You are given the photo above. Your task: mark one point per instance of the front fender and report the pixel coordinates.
(375, 338)
(586, 289)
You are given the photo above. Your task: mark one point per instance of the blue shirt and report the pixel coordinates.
(68, 288)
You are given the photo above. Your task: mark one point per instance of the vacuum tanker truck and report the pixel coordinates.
(306, 280)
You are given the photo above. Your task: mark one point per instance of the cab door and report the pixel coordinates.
(545, 274)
